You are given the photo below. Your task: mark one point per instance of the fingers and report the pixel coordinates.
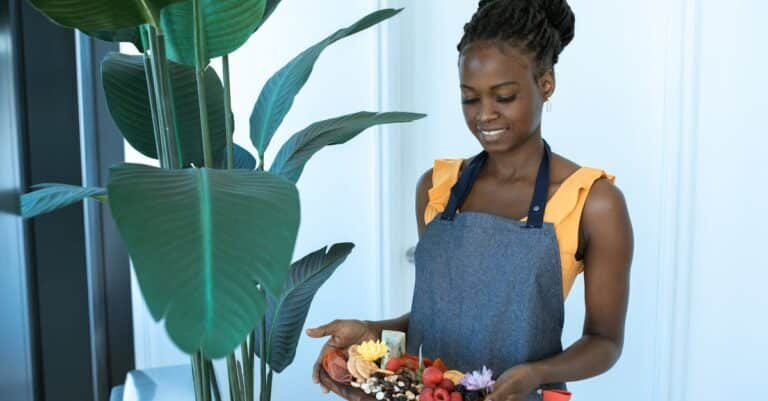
(317, 332)
(322, 331)
(316, 372)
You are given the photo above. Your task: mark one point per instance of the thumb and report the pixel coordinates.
(321, 331)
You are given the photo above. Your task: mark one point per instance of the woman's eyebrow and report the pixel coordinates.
(494, 86)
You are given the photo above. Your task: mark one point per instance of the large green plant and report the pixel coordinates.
(211, 232)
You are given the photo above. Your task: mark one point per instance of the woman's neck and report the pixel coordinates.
(520, 162)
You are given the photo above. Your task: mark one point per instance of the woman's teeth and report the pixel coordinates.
(490, 135)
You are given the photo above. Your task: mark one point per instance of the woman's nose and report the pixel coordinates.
(487, 112)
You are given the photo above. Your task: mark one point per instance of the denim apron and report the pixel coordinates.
(488, 289)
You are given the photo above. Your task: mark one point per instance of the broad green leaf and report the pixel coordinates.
(131, 35)
(228, 25)
(102, 15)
(296, 151)
(50, 197)
(276, 98)
(268, 10)
(125, 85)
(243, 159)
(286, 314)
(200, 239)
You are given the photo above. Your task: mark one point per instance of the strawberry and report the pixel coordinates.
(432, 376)
(393, 364)
(427, 395)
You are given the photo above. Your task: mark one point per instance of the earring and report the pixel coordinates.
(548, 105)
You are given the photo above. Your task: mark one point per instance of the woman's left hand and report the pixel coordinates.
(515, 384)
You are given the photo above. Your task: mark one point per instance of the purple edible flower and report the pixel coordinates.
(478, 380)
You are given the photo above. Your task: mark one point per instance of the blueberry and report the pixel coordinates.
(473, 395)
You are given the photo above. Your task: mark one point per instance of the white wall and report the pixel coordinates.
(663, 94)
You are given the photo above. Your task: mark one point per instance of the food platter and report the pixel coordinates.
(344, 390)
(371, 371)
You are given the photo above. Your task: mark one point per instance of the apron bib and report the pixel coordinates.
(488, 289)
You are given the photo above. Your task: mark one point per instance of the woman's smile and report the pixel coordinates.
(492, 135)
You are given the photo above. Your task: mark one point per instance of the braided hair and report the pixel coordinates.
(543, 27)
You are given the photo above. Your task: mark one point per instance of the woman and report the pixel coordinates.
(503, 235)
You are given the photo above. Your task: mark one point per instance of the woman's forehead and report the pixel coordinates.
(488, 62)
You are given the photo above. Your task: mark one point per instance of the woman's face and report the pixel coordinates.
(501, 98)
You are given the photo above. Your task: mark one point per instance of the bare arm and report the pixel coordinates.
(607, 258)
(607, 232)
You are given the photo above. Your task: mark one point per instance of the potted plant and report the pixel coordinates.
(212, 231)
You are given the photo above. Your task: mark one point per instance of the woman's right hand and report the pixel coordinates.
(344, 333)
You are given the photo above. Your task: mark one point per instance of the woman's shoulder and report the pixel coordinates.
(571, 185)
(564, 171)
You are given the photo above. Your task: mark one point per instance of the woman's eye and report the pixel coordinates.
(468, 101)
(506, 99)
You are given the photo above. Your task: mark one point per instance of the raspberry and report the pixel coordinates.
(442, 394)
(446, 384)
(456, 396)
(426, 397)
(432, 376)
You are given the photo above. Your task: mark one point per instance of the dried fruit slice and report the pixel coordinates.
(352, 367)
(337, 369)
(453, 375)
(365, 368)
(438, 363)
(330, 355)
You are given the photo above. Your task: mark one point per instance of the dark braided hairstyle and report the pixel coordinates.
(543, 27)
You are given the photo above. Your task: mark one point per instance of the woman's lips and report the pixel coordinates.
(492, 135)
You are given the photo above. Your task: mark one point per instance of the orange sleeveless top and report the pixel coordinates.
(563, 209)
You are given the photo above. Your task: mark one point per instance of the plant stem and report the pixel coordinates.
(248, 369)
(173, 140)
(196, 378)
(251, 356)
(234, 391)
(240, 379)
(269, 385)
(228, 119)
(204, 375)
(263, 359)
(144, 31)
(163, 100)
(214, 382)
(200, 56)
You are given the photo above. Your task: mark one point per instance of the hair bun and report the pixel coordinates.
(560, 16)
(484, 3)
(558, 12)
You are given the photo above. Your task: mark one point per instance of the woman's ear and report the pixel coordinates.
(547, 84)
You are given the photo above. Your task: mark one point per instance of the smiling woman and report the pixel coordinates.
(506, 232)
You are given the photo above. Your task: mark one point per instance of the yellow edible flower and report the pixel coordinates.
(372, 350)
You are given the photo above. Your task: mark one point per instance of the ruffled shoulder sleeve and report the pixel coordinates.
(570, 197)
(564, 212)
(445, 173)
